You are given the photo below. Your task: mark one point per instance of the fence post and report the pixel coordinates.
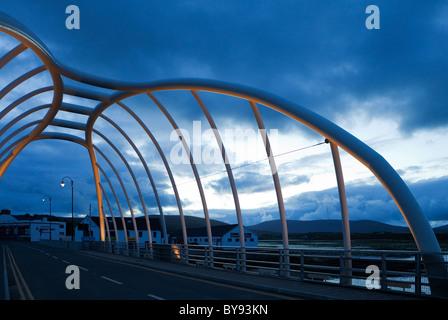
(238, 259)
(346, 268)
(286, 262)
(383, 272)
(280, 263)
(243, 259)
(185, 253)
(341, 269)
(418, 275)
(210, 256)
(205, 256)
(302, 265)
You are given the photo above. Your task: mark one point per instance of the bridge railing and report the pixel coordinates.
(394, 271)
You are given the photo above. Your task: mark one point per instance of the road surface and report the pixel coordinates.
(36, 272)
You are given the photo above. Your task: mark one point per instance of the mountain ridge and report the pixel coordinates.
(332, 226)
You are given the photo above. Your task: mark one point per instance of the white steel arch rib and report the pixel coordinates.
(27, 39)
(22, 99)
(274, 173)
(229, 174)
(135, 183)
(12, 54)
(75, 139)
(278, 188)
(346, 276)
(165, 163)
(118, 205)
(148, 173)
(193, 166)
(68, 124)
(106, 225)
(21, 79)
(122, 187)
(111, 215)
(13, 134)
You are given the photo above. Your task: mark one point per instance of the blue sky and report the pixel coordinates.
(387, 87)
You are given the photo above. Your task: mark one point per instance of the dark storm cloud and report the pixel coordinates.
(247, 182)
(315, 53)
(370, 202)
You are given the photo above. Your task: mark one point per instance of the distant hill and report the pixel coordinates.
(173, 223)
(295, 226)
(441, 229)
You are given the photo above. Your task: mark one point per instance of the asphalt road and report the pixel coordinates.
(42, 275)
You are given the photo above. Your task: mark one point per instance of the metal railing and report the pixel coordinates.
(392, 271)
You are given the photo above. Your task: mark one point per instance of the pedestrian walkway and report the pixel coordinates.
(294, 288)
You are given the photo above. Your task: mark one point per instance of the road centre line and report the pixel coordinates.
(5, 275)
(112, 280)
(20, 282)
(191, 277)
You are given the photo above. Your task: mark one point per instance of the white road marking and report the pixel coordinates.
(83, 269)
(112, 280)
(155, 297)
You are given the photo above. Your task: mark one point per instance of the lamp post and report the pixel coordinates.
(63, 184)
(49, 198)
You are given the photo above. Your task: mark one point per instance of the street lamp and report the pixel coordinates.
(49, 198)
(63, 184)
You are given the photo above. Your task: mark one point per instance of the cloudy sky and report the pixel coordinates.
(386, 86)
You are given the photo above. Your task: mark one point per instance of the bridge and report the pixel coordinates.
(67, 83)
(105, 275)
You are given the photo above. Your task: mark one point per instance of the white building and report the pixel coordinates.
(224, 235)
(31, 228)
(88, 230)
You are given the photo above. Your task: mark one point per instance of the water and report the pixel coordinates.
(314, 244)
(356, 244)
(365, 244)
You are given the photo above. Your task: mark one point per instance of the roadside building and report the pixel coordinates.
(31, 228)
(222, 235)
(88, 229)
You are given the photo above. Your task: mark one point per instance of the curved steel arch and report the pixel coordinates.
(148, 173)
(117, 98)
(136, 185)
(193, 167)
(16, 30)
(112, 216)
(418, 224)
(75, 139)
(165, 163)
(86, 111)
(118, 205)
(229, 174)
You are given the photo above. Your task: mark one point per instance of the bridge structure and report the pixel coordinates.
(66, 82)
